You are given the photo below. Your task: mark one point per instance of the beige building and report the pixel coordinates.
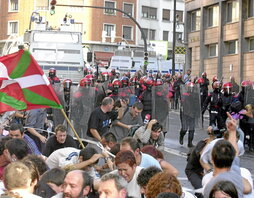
(220, 38)
(97, 25)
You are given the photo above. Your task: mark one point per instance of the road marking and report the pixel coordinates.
(182, 178)
(175, 152)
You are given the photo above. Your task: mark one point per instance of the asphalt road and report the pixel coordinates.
(176, 154)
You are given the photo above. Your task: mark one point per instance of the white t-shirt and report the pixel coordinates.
(206, 156)
(63, 157)
(133, 188)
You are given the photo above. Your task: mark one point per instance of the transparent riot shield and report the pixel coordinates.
(100, 92)
(249, 95)
(58, 117)
(82, 104)
(126, 93)
(160, 107)
(190, 110)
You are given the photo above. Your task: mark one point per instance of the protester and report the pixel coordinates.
(225, 189)
(51, 183)
(127, 168)
(99, 121)
(194, 170)
(157, 154)
(112, 186)
(167, 195)
(17, 131)
(22, 184)
(226, 167)
(131, 116)
(144, 176)
(142, 159)
(17, 149)
(60, 140)
(35, 120)
(4, 159)
(77, 183)
(165, 182)
(150, 134)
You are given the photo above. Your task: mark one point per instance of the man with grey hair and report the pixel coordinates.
(113, 186)
(99, 121)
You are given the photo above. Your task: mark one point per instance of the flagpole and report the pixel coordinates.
(75, 132)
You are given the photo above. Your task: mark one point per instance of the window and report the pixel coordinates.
(109, 28)
(250, 8)
(42, 4)
(12, 27)
(127, 32)
(213, 50)
(195, 20)
(165, 15)
(179, 16)
(149, 33)
(232, 47)
(77, 27)
(213, 16)
(127, 7)
(232, 11)
(108, 5)
(251, 44)
(165, 35)
(149, 12)
(13, 5)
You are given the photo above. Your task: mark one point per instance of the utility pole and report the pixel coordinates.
(127, 14)
(174, 39)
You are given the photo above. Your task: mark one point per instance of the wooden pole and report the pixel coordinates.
(75, 132)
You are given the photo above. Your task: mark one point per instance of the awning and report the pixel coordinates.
(103, 56)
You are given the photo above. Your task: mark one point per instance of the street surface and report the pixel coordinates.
(176, 154)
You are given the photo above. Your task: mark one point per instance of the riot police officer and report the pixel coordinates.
(67, 91)
(52, 76)
(146, 98)
(227, 100)
(214, 100)
(189, 111)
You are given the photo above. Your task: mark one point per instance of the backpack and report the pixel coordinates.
(133, 129)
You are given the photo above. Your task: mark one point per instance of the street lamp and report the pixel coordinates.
(174, 38)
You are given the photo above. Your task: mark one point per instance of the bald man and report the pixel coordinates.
(77, 184)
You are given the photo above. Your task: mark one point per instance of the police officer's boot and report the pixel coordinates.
(190, 138)
(182, 134)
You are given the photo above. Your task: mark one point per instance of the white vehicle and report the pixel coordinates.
(126, 64)
(61, 50)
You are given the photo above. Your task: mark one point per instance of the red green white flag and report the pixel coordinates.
(23, 84)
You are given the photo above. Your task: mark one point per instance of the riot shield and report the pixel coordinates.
(82, 104)
(160, 107)
(100, 92)
(58, 117)
(190, 106)
(249, 95)
(126, 93)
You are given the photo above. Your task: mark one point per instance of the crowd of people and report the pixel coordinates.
(124, 134)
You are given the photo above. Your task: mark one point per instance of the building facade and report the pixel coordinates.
(156, 17)
(220, 36)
